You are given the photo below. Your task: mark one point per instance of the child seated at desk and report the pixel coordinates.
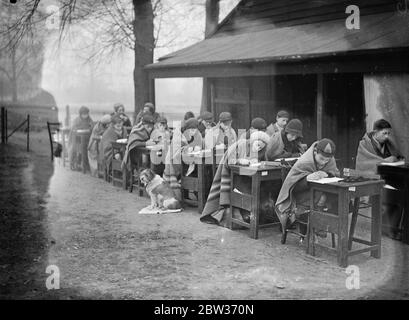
(93, 146)
(82, 122)
(161, 135)
(374, 148)
(316, 163)
(242, 152)
(179, 152)
(139, 137)
(287, 142)
(114, 132)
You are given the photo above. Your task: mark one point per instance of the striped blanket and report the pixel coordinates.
(218, 201)
(173, 160)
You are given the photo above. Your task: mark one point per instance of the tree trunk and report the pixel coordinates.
(13, 75)
(144, 45)
(212, 20)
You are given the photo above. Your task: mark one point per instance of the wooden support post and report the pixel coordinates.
(3, 127)
(212, 96)
(6, 122)
(28, 133)
(152, 91)
(320, 104)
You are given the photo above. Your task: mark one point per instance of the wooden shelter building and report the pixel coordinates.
(299, 55)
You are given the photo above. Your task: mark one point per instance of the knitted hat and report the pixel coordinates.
(283, 114)
(116, 119)
(191, 123)
(117, 106)
(105, 119)
(259, 135)
(83, 110)
(326, 147)
(381, 124)
(162, 120)
(225, 116)
(259, 124)
(207, 116)
(147, 119)
(294, 127)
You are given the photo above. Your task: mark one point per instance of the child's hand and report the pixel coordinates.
(150, 143)
(243, 162)
(316, 175)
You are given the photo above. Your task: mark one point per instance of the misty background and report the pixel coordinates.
(75, 72)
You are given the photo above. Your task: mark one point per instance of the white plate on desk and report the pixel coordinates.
(286, 159)
(122, 140)
(155, 147)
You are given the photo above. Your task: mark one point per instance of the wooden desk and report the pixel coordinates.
(399, 175)
(251, 202)
(119, 147)
(338, 223)
(138, 166)
(83, 136)
(206, 162)
(100, 162)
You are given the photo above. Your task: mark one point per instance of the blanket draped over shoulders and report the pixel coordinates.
(303, 167)
(218, 201)
(368, 154)
(174, 157)
(276, 147)
(94, 146)
(78, 124)
(109, 136)
(137, 138)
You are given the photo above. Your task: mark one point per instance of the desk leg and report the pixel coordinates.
(310, 249)
(354, 219)
(202, 186)
(84, 153)
(229, 215)
(255, 205)
(376, 226)
(124, 178)
(343, 208)
(405, 222)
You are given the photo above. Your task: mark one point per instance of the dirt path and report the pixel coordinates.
(104, 249)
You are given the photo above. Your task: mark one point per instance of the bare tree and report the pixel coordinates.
(21, 50)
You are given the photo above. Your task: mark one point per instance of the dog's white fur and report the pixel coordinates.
(162, 196)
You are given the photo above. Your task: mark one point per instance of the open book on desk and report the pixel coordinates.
(328, 180)
(395, 164)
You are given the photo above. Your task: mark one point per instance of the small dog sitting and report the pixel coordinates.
(162, 196)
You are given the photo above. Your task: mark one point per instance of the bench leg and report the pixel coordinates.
(354, 219)
(376, 225)
(343, 209)
(254, 216)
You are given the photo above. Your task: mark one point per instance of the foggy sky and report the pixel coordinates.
(74, 81)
